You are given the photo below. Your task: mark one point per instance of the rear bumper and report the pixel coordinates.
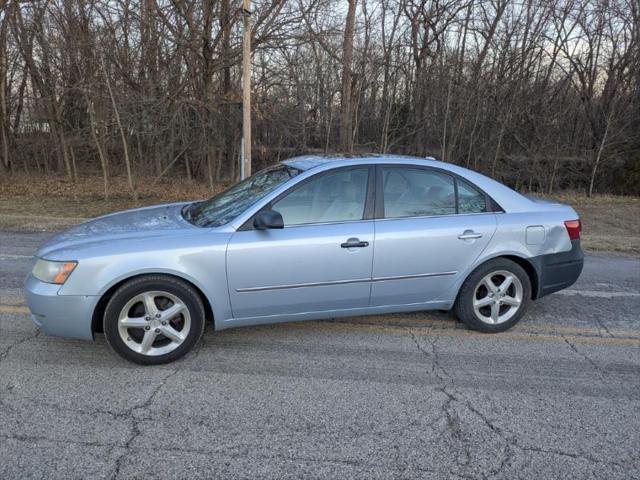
(59, 315)
(557, 271)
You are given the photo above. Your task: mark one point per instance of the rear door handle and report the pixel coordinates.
(354, 243)
(469, 235)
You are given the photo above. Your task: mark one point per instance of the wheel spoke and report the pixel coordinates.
(135, 322)
(172, 334)
(514, 302)
(495, 313)
(150, 304)
(506, 283)
(483, 302)
(487, 282)
(147, 340)
(172, 311)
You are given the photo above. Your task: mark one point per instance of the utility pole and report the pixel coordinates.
(246, 90)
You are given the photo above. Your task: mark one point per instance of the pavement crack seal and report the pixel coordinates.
(446, 386)
(135, 421)
(601, 371)
(576, 456)
(511, 441)
(130, 413)
(8, 350)
(448, 408)
(603, 326)
(64, 441)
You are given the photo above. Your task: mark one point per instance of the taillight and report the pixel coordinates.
(573, 229)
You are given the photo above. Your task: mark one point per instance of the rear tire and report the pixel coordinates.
(154, 319)
(494, 297)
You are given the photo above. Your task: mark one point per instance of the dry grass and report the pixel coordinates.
(611, 224)
(49, 203)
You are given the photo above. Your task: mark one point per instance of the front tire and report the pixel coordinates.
(154, 319)
(494, 297)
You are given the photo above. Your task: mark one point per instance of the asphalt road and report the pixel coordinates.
(399, 396)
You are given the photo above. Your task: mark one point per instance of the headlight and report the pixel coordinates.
(53, 272)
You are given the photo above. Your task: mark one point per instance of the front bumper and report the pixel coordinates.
(59, 315)
(557, 271)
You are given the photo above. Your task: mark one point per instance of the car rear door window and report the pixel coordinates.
(470, 200)
(415, 192)
(333, 197)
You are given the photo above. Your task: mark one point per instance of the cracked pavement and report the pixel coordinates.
(395, 396)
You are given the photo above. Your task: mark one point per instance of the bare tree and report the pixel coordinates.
(541, 95)
(347, 58)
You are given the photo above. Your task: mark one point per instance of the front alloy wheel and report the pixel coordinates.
(154, 319)
(154, 323)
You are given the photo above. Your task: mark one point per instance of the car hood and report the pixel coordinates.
(154, 221)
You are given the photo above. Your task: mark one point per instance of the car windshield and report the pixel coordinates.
(227, 205)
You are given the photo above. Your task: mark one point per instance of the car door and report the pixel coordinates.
(430, 226)
(320, 261)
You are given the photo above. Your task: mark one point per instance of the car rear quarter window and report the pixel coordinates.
(415, 192)
(470, 200)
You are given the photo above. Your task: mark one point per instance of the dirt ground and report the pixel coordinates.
(611, 224)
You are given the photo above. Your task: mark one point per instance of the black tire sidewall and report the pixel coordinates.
(139, 285)
(464, 302)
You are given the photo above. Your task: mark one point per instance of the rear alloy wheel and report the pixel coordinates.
(154, 319)
(497, 297)
(494, 297)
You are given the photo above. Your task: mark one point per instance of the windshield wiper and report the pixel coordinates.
(186, 212)
(291, 171)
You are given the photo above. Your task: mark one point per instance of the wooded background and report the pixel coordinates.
(540, 94)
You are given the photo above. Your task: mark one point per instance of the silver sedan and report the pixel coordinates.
(310, 238)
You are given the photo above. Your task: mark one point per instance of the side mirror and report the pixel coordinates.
(268, 219)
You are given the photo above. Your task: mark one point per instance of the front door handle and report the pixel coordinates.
(469, 235)
(354, 243)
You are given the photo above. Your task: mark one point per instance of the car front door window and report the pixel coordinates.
(330, 198)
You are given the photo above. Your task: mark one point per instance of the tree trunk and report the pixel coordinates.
(96, 140)
(4, 117)
(347, 58)
(228, 134)
(598, 157)
(125, 145)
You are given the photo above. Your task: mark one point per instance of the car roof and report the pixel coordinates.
(308, 162)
